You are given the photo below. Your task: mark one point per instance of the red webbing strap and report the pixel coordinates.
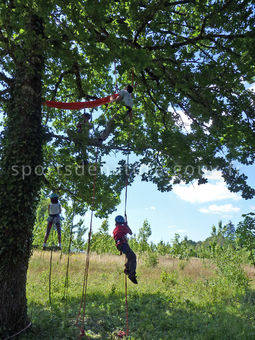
(80, 105)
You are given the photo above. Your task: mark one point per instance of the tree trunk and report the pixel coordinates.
(19, 180)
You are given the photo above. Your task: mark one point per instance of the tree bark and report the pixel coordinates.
(19, 179)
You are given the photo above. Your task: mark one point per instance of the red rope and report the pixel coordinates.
(86, 268)
(126, 300)
(18, 333)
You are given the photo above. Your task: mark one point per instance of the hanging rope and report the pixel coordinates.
(50, 269)
(116, 80)
(86, 267)
(126, 301)
(121, 334)
(18, 333)
(127, 162)
(68, 265)
(50, 276)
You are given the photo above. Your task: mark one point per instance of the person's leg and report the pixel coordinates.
(131, 259)
(130, 113)
(59, 234)
(47, 233)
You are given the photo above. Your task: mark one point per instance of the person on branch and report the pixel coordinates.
(84, 122)
(119, 234)
(54, 210)
(125, 96)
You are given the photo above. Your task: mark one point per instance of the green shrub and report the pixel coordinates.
(151, 259)
(169, 279)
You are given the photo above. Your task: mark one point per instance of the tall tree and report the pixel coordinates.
(188, 59)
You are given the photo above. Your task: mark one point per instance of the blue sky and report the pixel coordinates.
(188, 210)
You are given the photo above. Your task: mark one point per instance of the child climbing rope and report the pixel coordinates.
(54, 210)
(125, 97)
(119, 234)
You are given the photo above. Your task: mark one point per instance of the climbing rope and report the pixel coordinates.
(50, 266)
(18, 333)
(50, 271)
(126, 301)
(121, 333)
(116, 80)
(68, 265)
(86, 267)
(127, 161)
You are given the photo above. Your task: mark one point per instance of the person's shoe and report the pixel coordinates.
(44, 246)
(133, 278)
(59, 246)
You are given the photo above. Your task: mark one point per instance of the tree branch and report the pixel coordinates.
(4, 78)
(60, 188)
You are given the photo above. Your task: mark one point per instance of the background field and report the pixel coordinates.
(175, 299)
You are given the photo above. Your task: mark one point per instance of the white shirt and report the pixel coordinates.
(125, 96)
(54, 209)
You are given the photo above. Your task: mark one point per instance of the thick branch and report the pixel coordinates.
(76, 71)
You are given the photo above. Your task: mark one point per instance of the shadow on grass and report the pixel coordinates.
(157, 316)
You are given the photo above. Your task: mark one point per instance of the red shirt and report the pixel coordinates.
(120, 231)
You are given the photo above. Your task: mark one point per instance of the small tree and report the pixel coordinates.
(143, 236)
(229, 231)
(246, 234)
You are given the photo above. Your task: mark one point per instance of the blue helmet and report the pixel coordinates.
(54, 195)
(119, 219)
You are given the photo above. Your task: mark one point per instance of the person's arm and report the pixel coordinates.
(49, 209)
(119, 98)
(129, 230)
(59, 209)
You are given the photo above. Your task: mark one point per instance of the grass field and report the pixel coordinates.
(174, 300)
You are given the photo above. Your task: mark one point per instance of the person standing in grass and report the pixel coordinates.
(54, 210)
(119, 234)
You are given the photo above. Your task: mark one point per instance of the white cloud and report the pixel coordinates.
(214, 175)
(171, 226)
(215, 190)
(181, 231)
(219, 209)
(152, 207)
(204, 193)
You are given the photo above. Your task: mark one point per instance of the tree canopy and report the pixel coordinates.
(183, 56)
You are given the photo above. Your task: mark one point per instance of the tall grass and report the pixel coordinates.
(174, 299)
